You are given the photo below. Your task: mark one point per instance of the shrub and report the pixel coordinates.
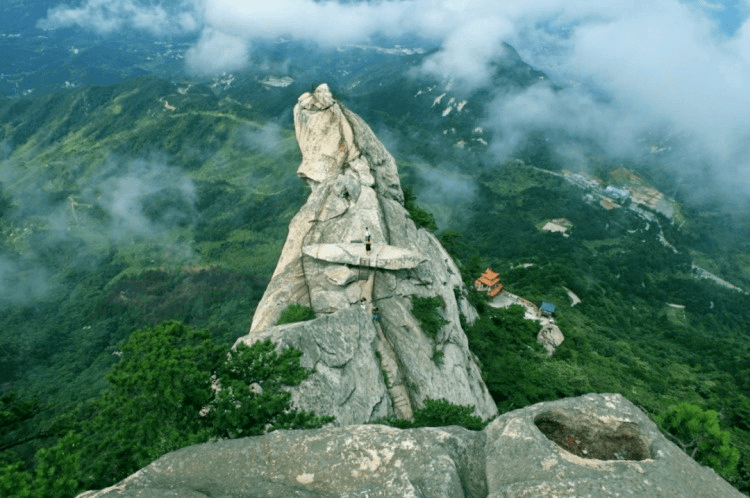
(295, 313)
(437, 356)
(441, 412)
(438, 413)
(425, 310)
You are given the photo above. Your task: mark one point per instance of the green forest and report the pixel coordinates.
(626, 335)
(136, 240)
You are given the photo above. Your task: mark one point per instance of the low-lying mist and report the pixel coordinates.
(50, 233)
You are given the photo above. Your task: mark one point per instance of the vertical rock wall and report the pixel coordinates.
(373, 368)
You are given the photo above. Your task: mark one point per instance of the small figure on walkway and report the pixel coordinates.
(376, 314)
(368, 243)
(363, 303)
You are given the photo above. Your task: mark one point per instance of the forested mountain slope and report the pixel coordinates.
(127, 205)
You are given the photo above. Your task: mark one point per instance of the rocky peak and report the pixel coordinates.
(364, 368)
(319, 100)
(336, 142)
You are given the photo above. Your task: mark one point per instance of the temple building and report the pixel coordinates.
(489, 281)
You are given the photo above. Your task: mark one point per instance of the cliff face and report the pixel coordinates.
(595, 445)
(364, 369)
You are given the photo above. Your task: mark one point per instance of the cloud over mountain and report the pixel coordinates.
(628, 67)
(215, 52)
(109, 16)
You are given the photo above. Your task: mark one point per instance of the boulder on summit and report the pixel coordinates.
(594, 445)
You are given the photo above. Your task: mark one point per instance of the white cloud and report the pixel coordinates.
(468, 50)
(266, 140)
(216, 52)
(108, 16)
(647, 63)
(143, 199)
(651, 66)
(22, 282)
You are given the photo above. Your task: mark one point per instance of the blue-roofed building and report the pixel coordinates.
(547, 309)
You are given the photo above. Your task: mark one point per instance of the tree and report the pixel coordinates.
(251, 399)
(14, 482)
(58, 469)
(153, 403)
(57, 472)
(698, 433)
(173, 387)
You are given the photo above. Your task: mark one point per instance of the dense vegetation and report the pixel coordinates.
(438, 413)
(171, 387)
(420, 217)
(117, 214)
(646, 327)
(425, 310)
(698, 433)
(112, 219)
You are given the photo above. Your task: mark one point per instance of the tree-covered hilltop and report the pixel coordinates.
(118, 213)
(122, 207)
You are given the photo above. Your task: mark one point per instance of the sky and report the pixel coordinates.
(626, 67)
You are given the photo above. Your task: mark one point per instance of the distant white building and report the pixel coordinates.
(616, 193)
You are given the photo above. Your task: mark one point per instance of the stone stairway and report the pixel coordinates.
(394, 383)
(396, 389)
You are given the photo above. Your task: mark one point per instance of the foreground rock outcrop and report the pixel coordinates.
(594, 445)
(364, 369)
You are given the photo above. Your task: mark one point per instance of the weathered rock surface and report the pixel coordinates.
(324, 265)
(550, 337)
(380, 255)
(634, 458)
(512, 457)
(348, 381)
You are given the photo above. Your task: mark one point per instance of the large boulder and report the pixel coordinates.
(550, 336)
(348, 380)
(324, 264)
(595, 445)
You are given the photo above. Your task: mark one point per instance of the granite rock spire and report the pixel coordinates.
(364, 369)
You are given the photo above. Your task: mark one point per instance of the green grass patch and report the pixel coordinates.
(295, 313)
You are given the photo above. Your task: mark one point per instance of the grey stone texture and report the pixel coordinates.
(348, 380)
(511, 457)
(324, 264)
